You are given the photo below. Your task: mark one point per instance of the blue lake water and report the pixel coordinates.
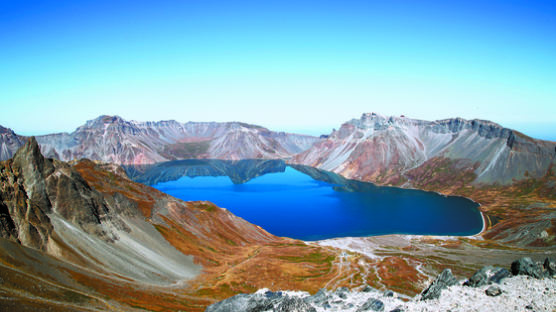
(310, 204)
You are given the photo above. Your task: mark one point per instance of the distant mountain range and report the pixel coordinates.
(386, 150)
(113, 139)
(399, 150)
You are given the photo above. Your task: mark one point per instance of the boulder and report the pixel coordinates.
(259, 304)
(273, 295)
(294, 304)
(320, 298)
(499, 275)
(550, 267)
(444, 280)
(371, 305)
(347, 306)
(247, 303)
(487, 275)
(388, 293)
(479, 278)
(493, 291)
(526, 266)
(341, 292)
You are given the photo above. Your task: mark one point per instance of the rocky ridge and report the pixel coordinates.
(530, 286)
(116, 140)
(390, 150)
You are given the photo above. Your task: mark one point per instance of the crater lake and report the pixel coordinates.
(310, 204)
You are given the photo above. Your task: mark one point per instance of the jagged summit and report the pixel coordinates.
(374, 147)
(456, 124)
(28, 204)
(4, 130)
(30, 151)
(30, 161)
(384, 150)
(114, 139)
(105, 119)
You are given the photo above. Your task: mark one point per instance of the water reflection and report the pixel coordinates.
(310, 204)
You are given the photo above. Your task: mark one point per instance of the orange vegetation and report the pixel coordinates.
(236, 256)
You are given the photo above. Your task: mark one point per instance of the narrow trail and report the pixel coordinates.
(340, 264)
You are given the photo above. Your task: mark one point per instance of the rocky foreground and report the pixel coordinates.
(529, 286)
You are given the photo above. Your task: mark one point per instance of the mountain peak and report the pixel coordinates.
(5, 130)
(29, 150)
(107, 119)
(103, 120)
(30, 159)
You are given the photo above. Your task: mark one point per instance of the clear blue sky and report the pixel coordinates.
(301, 66)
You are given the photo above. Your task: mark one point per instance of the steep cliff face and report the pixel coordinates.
(113, 139)
(384, 149)
(32, 188)
(47, 205)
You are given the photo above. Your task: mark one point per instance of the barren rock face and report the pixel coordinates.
(387, 150)
(115, 140)
(33, 187)
(24, 197)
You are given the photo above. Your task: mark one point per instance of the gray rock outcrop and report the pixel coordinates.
(372, 305)
(294, 304)
(487, 275)
(550, 267)
(526, 266)
(442, 281)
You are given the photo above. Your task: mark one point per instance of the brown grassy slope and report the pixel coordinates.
(512, 210)
(236, 255)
